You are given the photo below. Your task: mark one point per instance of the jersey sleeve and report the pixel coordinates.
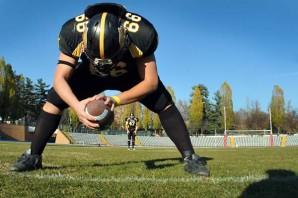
(143, 35)
(70, 38)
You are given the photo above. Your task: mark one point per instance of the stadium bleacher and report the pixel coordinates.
(155, 141)
(292, 140)
(197, 141)
(117, 140)
(85, 138)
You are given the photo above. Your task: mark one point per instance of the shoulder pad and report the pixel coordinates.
(113, 8)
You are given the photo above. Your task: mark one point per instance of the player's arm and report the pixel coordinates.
(149, 81)
(126, 126)
(61, 86)
(125, 123)
(136, 129)
(62, 74)
(137, 126)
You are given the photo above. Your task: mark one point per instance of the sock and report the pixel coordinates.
(133, 144)
(46, 125)
(175, 128)
(128, 143)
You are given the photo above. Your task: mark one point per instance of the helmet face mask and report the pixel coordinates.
(105, 41)
(99, 62)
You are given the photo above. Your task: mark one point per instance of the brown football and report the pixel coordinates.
(102, 112)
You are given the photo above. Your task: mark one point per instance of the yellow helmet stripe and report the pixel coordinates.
(102, 35)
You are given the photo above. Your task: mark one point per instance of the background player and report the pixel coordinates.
(131, 129)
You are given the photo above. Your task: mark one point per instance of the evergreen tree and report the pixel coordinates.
(29, 101)
(40, 90)
(18, 108)
(214, 115)
(207, 111)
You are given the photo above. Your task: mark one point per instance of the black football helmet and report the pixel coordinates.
(114, 8)
(105, 41)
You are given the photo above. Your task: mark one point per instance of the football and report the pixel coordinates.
(102, 112)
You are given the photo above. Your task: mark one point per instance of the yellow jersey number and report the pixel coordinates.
(82, 23)
(132, 26)
(132, 23)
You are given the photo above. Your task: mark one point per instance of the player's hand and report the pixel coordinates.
(86, 119)
(108, 100)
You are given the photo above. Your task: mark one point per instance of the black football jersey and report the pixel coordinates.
(131, 122)
(142, 34)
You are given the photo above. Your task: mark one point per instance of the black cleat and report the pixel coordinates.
(27, 162)
(195, 165)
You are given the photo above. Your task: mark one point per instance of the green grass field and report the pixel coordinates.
(74, 171)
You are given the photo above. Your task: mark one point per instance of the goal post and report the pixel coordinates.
(228, 132)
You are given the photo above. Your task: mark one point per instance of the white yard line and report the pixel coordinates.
(126, 179)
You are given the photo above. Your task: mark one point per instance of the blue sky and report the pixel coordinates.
(251, 44)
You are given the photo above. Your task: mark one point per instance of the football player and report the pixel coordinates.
(108, 48)
(131, 129)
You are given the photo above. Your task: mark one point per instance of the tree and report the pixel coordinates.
(18, 96)
(252, 118)
(40, 90)
(139, 114)
(256, 120)
(7, 89)
(207, 111)
(214, 114)
(226, 105)
(146, 119)
(2, 89)
(277, 108)
(70, 119)
(156, 125)
(182, 106)
(240, 119)
(2, 76)
(196, 109)
(118, 119)
(29, 99)
(172, 93)
(291, 118)
(18, 107)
